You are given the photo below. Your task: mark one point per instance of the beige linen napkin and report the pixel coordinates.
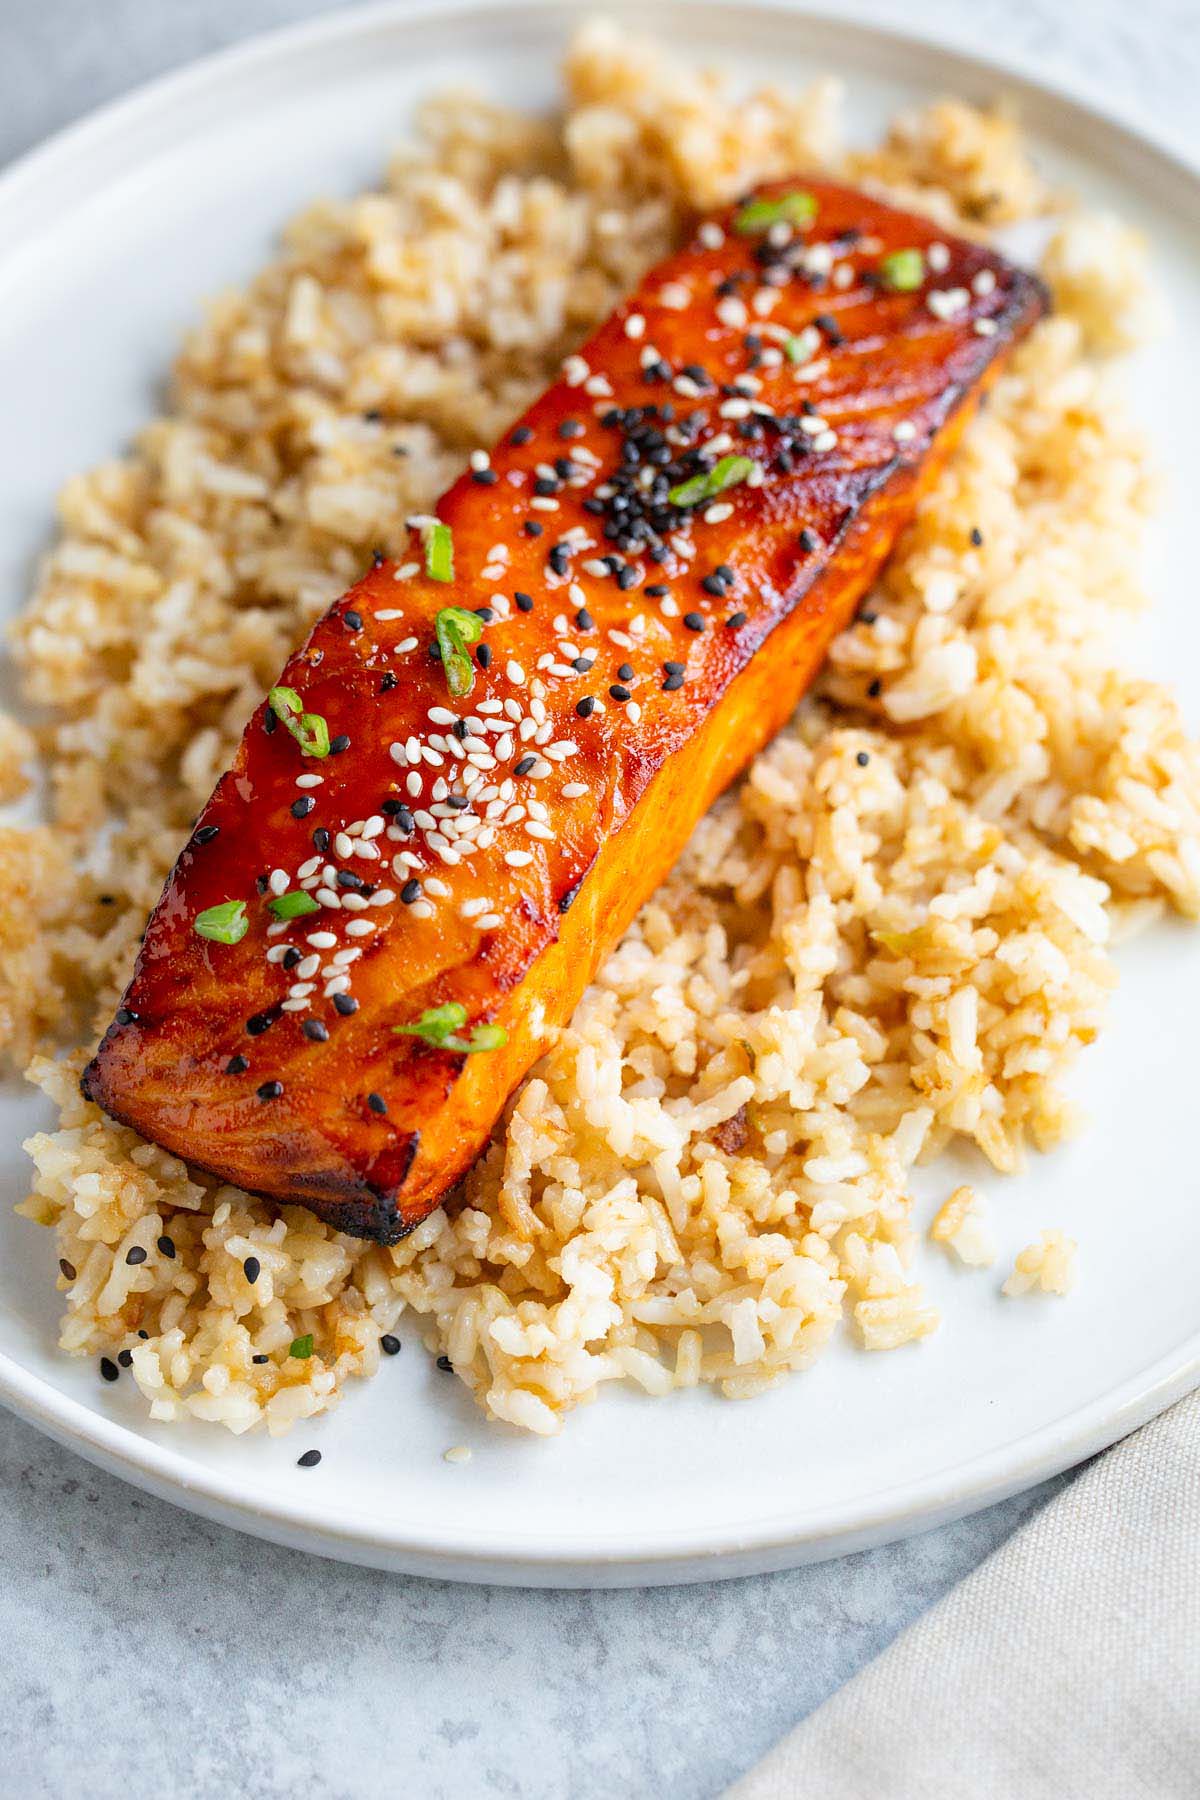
(1065, 1667)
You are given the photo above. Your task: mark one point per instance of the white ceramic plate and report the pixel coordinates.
(111, 236)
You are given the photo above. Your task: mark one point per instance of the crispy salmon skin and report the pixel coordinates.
(484, 759)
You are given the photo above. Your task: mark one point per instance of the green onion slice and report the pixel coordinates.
(456, 629)
(439, 552)
(440, 1026)
(302, 1347)
(224, 924)
(799, 208)
(903, 270)
(294, 905)
(803, 346)
(309, 729)
(729, 472)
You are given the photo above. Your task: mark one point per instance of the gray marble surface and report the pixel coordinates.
(142, 1650)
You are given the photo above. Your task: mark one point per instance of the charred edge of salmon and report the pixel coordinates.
(355, 1206)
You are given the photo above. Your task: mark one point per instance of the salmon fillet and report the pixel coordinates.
(485, 759)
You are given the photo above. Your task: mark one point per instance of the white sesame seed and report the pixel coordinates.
(536, 829)
(575, 371)
(307, 967)
(382, 897)
(543, 503)
(337, 984)
(441, 715)
(493, 571)
(328, 897)
(342, 845)
(413, 784)
(278, 882)
(985, 328)
(354, 902)
(943, 303)
(904, 432)
(470, 909)
(635, 325)
(437, 888)
(275, 929)
(308, 868)
(420, 909)
(490, 922)
(409, 643)
(711, 235)
(985, 281)
(321, 940)
(574, 790)
(515, 673)
(598, 386)
(406, 571)
(344, 958)
(715, 515)
(938, 258)
(310, 781)
(735, 409)
(388, 614)
(291, 1006)
(358, 927)
(300, 990)
(826, 441)
(732, 312)
(517, 859)
(277, 952)
(479, 459)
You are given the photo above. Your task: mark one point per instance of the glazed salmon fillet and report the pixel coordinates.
(485, 758)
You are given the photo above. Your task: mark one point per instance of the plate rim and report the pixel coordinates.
(697, 1553)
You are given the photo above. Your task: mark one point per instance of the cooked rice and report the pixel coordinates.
(851, 967)
(1047, 1267)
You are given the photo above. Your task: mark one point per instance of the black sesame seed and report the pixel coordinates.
(377, 559)
(532, 528)
(671, 683)
(736, 620)
(345, 1004)
(252, 1269)
(976, 539)
(125, 1358)
(526, 763)
(389, 1345)
(321, 839)
(483, 655)
(458, 802)
(712, 584)
(135, 1256)
(581, 664)
(658, 591)
(303, 806)
(69, 1270)
(338, 744)
(166, 1247)
(559, 559)
(269, 721)
(808, 539)
(620, 693)
(314, 1029)
(207, 833)
(388, 682)
(270, 1090)
(584, 619)
(524, 602)
(585, 707)
(309, 1460)
(410, 891)
(259, 1023)
(862, 759)
(625, 672)
(126, 1016)
(567, 900)
(290, 957)
(459, 728)
(377, 1103)
(571, 428)
(521, 435)
(346, 878)
(445, 1365)
(237, 1065)
(675, 668)
(260, 1359)
(261, 883)
(875, 688)
(725, 572)
(485, 477)
(404, 820)
(694, 621)
(352, 621)
(627, 578)
(109, 1369)
(545, 486)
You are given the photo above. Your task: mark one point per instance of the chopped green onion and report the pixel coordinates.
(439, 552)
(224, 924)
(301, 1348)
(799, 208)
(903, 270)
(309, 729)
(457, 628)
(294, 905)
(804, 346)
(440, 1026)
(729, 472)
